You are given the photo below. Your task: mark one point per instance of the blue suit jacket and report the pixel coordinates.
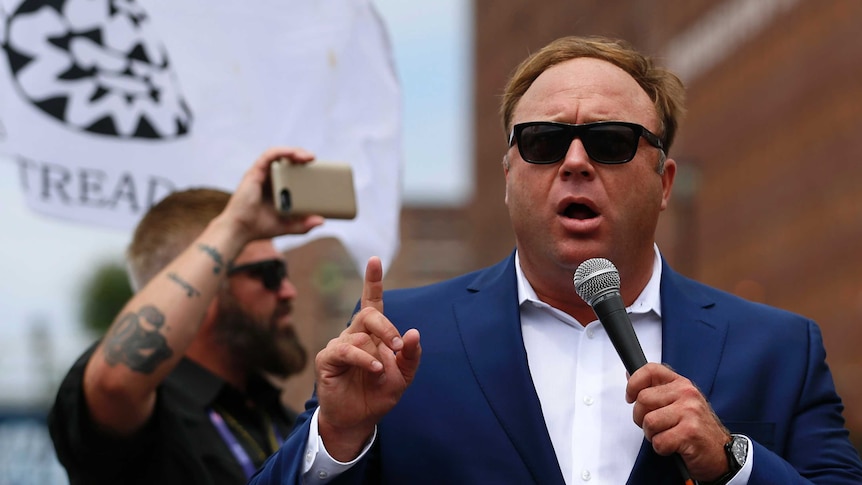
(472, 415)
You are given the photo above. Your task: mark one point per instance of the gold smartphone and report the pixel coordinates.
(323, 188)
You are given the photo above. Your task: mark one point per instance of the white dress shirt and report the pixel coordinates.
(580, 381)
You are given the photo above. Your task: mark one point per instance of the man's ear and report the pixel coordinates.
(506, 177)
(667, 178)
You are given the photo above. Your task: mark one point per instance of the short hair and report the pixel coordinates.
(662, 86)
(168, 228)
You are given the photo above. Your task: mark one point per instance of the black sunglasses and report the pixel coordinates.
(271, 272)
(604, 141)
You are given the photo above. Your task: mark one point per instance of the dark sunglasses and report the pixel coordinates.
(604, 141)
(271, 272)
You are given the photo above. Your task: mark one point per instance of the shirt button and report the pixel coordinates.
(585, 475)
(591, 333)
(588, 400)
(322, 474)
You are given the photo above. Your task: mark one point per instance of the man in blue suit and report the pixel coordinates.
(519, 382)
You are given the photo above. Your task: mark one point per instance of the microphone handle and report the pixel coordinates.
(611, 311)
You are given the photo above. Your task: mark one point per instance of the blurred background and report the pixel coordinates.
(767, 202)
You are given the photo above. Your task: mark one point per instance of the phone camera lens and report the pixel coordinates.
(286, 203)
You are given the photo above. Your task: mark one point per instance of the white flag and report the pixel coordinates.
(108, 105)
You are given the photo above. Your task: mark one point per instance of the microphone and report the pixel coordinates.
(597, 282)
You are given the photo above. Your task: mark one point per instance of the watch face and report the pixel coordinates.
(739, 448)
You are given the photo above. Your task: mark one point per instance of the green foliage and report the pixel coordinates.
(103, 296)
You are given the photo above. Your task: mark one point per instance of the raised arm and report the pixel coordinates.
(154, 329)
(363, 372)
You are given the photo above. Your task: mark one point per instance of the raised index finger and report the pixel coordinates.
(372, 288)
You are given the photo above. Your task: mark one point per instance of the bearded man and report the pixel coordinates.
(177, 392)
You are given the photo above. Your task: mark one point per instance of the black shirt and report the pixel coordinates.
(179, 444)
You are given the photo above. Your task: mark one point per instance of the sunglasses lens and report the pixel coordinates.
(611, 143)
(273, 275)
(544, 143)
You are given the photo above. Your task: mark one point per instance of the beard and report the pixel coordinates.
(259, 345)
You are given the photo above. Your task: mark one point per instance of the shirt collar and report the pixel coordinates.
(197, 384)
(648, 300)
(203, 388)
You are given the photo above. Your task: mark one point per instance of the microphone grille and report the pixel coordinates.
(596, 277)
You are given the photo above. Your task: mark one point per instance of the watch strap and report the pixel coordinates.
(735, 450)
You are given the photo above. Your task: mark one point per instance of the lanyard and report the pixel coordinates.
(234, 445)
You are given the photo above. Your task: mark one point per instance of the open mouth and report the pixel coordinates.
(579, 211)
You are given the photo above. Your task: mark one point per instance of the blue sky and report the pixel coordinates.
(45, 260)
(433, 55)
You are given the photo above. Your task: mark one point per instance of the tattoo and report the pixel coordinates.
(190, 290)
(215, 255)
(134, 340)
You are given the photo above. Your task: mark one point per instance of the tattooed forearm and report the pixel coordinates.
(215, 255)
(190, 290)
(135, 341)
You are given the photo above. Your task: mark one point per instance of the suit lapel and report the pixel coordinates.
(692, 344)
(692, 341)
(489, 323)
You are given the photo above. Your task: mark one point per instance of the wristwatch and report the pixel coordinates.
(736, 450)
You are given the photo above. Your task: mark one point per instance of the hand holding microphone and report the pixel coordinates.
(597, 282)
